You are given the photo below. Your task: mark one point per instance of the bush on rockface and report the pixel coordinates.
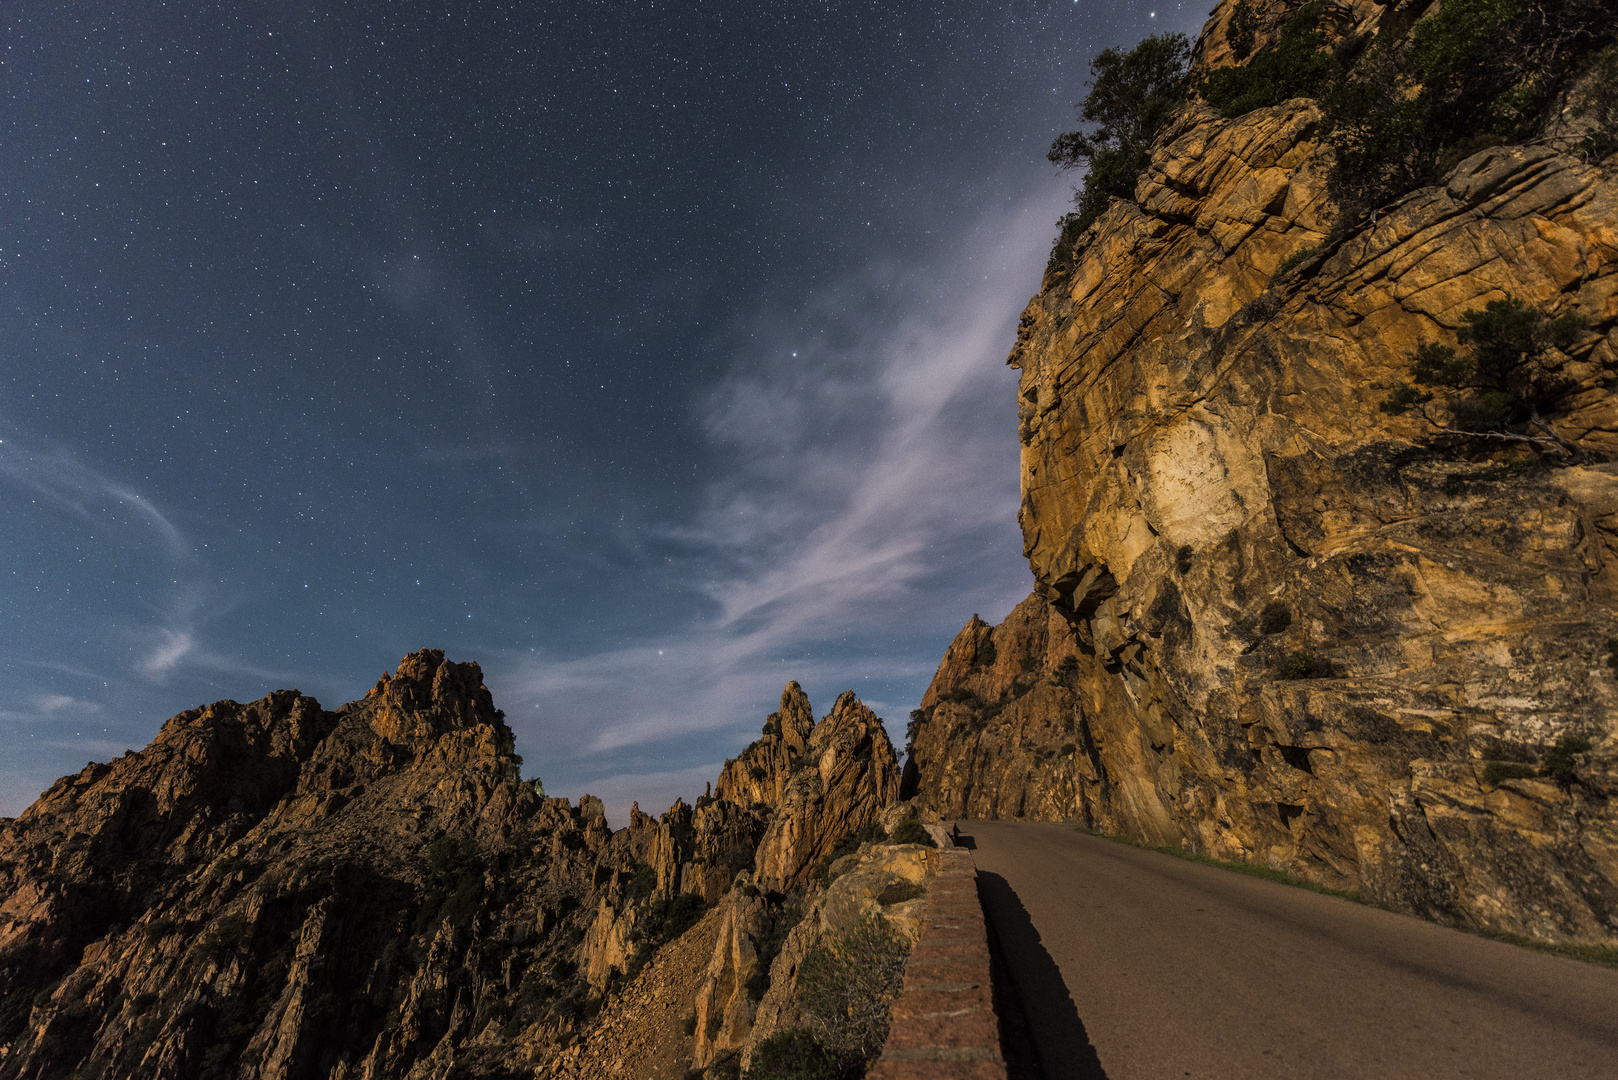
(1425, 94)
(1601, 105)
(792, 1055)
(1475, 74)
(1561, 759)
(1399, 110)
(911, 831)
(1295, 66)
(1133, 95)
(1303, 665)
(1496, 771)
(779, 922)
(1501, 385)
(1242, 33)
(869, 833)
(918, 717)
(847, 987)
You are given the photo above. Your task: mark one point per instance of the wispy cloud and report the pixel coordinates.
(68, 484)
(171, 649)
(872, 450)
(53, 704)
(180, 601)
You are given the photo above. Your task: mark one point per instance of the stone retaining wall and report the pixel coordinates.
(944, 1024)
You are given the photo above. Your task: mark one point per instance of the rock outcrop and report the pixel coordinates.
(879, 882)
(1274, 623)
(848, 775)
(275, 890)
(760, 773)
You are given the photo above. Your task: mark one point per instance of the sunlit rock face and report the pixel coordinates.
(1272, 622)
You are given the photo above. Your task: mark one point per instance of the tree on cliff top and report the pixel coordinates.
(1132, 96)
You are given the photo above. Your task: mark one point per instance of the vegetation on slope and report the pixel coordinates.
(1402, 105)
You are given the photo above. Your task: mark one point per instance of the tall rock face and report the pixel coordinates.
(275, 890)
(1272, 622)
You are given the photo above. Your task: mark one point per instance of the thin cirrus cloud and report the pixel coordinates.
(171, 649)
(870, 458)
(68, 485)
(62, 484)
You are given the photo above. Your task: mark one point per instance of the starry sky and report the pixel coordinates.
(648, 354)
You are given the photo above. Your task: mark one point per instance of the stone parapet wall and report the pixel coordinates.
(944, 1023)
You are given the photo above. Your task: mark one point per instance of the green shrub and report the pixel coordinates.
(669, 917)
(910, 831)
(228, 866)
(1066, 671)
(1132, 97)
(228, 934)
(848, 844)
(642, 883)
(1261, 308)
(792, 1055)
(1496, 771)
(1069, 748)
(1602, 106)
(15, 1009)
(1242, 31)
(987, 654)
(1295, 66)
(1474, 74)
(769, 943)
(1499, 387)
(918, 717)
(455, 872)
(847, 988)
(1293, 261)
(1305, 666)
(1559, 760)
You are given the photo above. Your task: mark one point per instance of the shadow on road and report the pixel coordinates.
(1049, 1017)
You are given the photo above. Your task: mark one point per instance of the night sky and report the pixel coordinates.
(648, 354)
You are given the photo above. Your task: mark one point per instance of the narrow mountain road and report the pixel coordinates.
(1132, 964)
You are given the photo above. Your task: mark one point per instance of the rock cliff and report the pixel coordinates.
(1272, 621)
(275, 890)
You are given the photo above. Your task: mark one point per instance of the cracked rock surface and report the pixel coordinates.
(1273, 623)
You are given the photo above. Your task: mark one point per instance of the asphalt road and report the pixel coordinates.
(1132, 964)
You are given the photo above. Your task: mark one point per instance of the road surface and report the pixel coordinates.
(1131, 964)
